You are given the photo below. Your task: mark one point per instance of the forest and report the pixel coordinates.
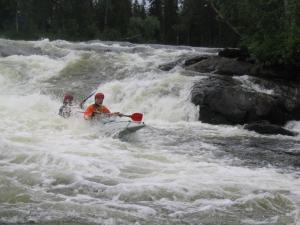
(270, 30)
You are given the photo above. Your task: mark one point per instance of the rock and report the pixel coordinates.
(241, 54)
(183, 62)
(194, 60)
(267, 128)
(237, 67)
(234, 62)
(169, 66)
(227, 100)
(222, 66)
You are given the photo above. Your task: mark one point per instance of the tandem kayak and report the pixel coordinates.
(118, 127)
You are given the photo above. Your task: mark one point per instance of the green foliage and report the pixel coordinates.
(199, 25)
(151, 27)
(270, 29)
(143, 30)
(110, 34)
(7, 14)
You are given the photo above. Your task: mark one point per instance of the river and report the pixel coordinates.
(176, 170)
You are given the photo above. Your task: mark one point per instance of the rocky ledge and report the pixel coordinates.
(236, 90)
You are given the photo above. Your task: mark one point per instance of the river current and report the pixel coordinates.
(176, 170)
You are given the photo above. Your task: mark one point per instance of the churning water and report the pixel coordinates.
(175, 171)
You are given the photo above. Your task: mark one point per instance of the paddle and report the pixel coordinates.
(137, 117)
(86, 98)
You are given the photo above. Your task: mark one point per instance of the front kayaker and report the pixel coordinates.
(98, 108)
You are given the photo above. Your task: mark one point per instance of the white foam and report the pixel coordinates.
(167, 170)
(247, 83)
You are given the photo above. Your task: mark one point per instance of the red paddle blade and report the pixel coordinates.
(137, 117)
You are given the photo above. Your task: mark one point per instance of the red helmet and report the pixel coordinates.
(99, 95)
(68, 97)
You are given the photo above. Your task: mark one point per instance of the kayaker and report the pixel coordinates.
(98, 108)
(65, 110)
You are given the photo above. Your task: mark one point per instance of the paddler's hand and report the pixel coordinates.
(117, 114)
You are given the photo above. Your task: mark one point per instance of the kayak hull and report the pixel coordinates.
(119, 128)
(131, 129)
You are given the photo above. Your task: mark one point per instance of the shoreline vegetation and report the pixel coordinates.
(268, 30)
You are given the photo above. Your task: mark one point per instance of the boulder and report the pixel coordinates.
(227, 100)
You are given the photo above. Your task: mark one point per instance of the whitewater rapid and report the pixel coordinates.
(175, 171)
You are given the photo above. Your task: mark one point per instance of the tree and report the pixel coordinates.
(143, 30)
(120, 15)
(170, 20)
(156, 10)
(201, 25)
(270, 29)
(8, 14)
(138, 10)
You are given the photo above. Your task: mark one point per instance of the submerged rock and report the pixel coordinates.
(169, 66)
(184, 62)
(194, 60)
(267, 128)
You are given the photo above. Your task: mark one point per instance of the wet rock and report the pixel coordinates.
(194, 60)
(267, 128)
(240, 66)
(169, 66)
(222, 66)
(234, 62)
(184, 62)
(241, 54)
(227, 100)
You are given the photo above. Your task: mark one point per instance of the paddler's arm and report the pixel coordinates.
(117, 114)
(106, 110)
(88, 114)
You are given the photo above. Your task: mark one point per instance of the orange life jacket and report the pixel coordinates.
(89, 112)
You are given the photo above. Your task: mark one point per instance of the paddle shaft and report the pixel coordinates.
(86, 98)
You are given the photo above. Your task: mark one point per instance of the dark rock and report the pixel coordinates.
(227, 100)
(241, 54)
(234, 62)
(222, 66)
(267, 128)
(184, 62)
(194, 60)
(209, 116)
(237, 67)
(169, 66)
